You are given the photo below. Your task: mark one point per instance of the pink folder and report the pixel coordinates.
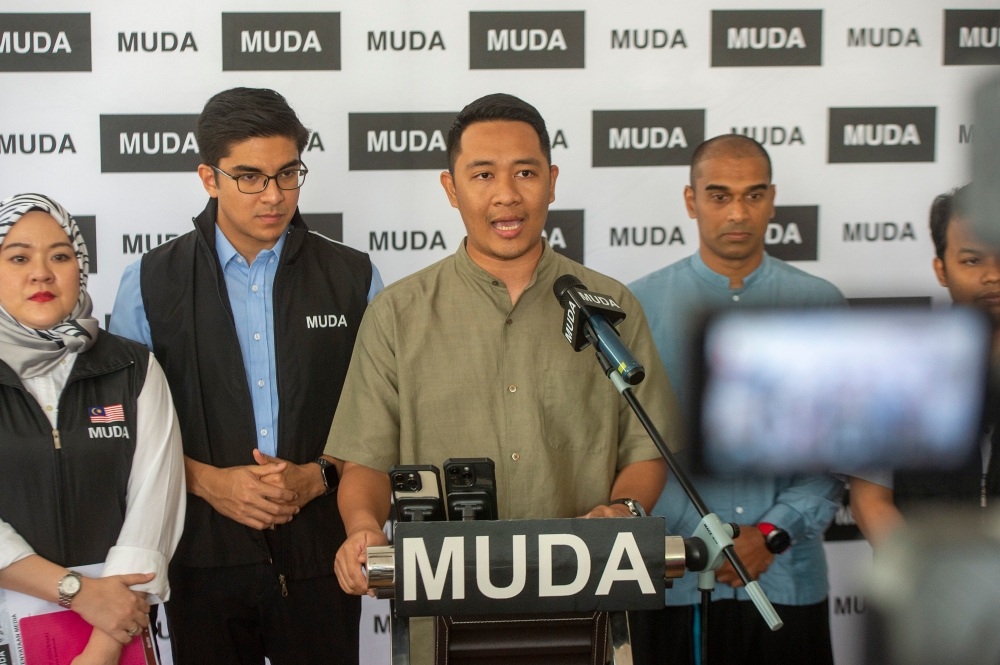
(59, 637)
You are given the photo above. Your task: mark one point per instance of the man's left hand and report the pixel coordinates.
(306, 480)
(752, 550)
(614, 510)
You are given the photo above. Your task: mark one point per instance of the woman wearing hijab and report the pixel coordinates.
(91, 465)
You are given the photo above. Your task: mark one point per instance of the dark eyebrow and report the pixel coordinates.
(529, 161)
(25, 245)
(969, 250)
(722, 188)
(254, 169)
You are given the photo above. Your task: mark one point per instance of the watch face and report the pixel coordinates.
(70, 585)
(778, 541)
(330, 477)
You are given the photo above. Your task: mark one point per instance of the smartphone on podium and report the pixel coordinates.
(471, 486)
(416, 492)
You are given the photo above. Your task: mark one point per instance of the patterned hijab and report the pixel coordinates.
(31, 352)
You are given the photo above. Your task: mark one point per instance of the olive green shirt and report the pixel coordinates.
(445, 367)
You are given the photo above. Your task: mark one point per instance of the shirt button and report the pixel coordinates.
(253, 288)
(48, 407)
(261, 383)
(239, 260)
(256, 336)
(271, 261)
(63, 361)
(736, 298)
(263, 432)
(739, 510)
(512, 388)
(515, 457)
(496, 283)
(510, 321)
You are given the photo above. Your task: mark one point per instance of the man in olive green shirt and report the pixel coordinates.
(466, 358)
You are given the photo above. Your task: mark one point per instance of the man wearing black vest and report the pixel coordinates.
(253, 318)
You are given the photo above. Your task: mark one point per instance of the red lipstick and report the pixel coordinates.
(43, 296)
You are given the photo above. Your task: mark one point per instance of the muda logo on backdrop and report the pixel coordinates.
(792, 234)
(882, 37)
(414, 40)
(646, 138)
(526, 40)
(904, 134)
(148, 143)
(972, 36)
(327, 224)
(88, 229)
(36, 144)
(640, 39)
(285, 41)
(775, 135)
(164, 42)
(45, 43)
(767, 38)
(398, 141)
(564, 231)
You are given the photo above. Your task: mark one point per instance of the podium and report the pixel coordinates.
(555, 590)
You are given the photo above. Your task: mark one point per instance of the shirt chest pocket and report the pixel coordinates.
(579, 414)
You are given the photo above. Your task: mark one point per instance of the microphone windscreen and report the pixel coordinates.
(564, 284)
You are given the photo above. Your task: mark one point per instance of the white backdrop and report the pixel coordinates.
(337, 69)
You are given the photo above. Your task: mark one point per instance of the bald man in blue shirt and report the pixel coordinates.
(732, 197)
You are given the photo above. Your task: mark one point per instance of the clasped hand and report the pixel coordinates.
(753, 552)
(270, 493)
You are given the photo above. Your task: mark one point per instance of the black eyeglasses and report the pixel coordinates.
(255, 183)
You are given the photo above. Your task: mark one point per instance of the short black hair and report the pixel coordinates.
(734, 145)
(498, 106)
(239, 114)
(945, 207)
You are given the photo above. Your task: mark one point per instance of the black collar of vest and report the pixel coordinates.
(205, 225)
(102, 358)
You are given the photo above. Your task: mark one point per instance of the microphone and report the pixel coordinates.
(591, 319)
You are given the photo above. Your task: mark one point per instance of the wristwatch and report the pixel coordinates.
(69, 586)
(632, 505)
(776, 540)
(331, 479)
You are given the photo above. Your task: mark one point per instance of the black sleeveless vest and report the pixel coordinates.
(64, 490)
(961, 487)
(194, 338)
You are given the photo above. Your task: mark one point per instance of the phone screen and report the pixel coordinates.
(842, 390)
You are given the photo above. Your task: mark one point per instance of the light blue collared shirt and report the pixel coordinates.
(250, 290)
(674, 300)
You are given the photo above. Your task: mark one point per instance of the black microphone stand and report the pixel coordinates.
(716, 531)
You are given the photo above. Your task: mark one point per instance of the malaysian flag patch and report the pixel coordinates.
(106, 414)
